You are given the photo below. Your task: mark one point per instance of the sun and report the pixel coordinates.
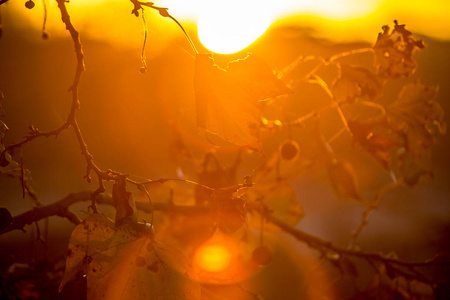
(229, 26)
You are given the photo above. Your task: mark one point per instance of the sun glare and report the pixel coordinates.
(229, 26)
(213, 257)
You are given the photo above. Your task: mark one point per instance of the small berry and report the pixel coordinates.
(290, 150)
(45, 35)
(29, 4)
(262, 255)
(142, 70)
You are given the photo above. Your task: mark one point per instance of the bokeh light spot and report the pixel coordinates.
(213, 257)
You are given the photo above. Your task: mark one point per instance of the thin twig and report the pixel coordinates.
(373, 206)
(71, 119)
(163, 180)
(324, 85)
(150, 202)
(144, 25)
(349, 53)
(163, 11)
(44, 22)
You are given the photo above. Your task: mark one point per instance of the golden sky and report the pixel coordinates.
(229, 25)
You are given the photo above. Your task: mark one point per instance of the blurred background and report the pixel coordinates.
(131, 121)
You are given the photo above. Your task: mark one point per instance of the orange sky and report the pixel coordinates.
(222, 23)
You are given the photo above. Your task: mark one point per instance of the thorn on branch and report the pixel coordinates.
(33, 130)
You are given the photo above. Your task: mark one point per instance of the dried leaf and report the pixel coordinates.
(417, 116)
(356, 82)
(343, 180)
(126, 211)
(378, 144)
(413, 168)
(122, 264)
(213, 175)
(418, 119)
(91, 236)
(281, 200)
(394, 50)
(402, 140)
(229, 210)
(227, 100)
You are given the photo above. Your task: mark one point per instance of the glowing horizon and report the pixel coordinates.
(229, 26)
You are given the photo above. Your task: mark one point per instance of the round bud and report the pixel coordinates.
(262, 255)
(142, 70)
(29, 4)
(290, 150)
(45, 35)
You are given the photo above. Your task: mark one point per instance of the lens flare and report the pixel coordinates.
(213, 257)
(229, 26)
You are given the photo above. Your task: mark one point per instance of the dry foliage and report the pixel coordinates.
(126, 259)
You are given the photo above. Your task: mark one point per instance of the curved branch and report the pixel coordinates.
(405, 269)
(61, 208)
(34, 133)
(71, 120)
(163, 11)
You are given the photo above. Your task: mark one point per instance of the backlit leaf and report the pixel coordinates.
(281, 200)
(418, 119)
(417, 116)
(120, 263)
(213, 175)
(378, 144)
(343, 180)
(413, 168)
(123, 201)
(227, 99)
(356, 82)
(394, 50)
(402, 140)
(227, 211)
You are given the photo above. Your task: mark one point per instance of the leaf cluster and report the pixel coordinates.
(240, 105)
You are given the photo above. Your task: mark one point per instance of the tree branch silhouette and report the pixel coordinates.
(335, 254)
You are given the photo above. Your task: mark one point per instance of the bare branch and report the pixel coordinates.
(59, 208)
(401, 268)
(163, 11)
(406, 269)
